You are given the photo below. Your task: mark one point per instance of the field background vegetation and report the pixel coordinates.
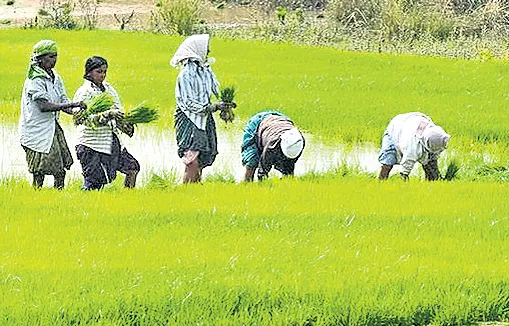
(338, 248)
(333, 251)
(340, 96)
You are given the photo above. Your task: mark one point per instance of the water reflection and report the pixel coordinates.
(156, 150)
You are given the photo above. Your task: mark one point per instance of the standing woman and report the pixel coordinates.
(99, 149)
(194, 122)
(41, 136)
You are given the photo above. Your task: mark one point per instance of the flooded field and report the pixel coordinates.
(156, 150)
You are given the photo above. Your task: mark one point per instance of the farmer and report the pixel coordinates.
(270, 139)
(41, 135)
(410, 138)
(99, 149)
(194, 122)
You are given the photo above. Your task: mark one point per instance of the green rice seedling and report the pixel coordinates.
(141, 114)
(318, 87)
(227, 96)
(99, 103)
(162, 180)
(221, 177)
(145, 255)
(452, 170)
(96, 104)
(494, 173)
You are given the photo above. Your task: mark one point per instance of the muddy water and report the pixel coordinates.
(156, 150)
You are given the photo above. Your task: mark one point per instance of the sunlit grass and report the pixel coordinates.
(344, 251)
(344, 96)
(328, 248)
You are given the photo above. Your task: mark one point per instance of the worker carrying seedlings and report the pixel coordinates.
(270, 139)
(410, 138)
(99, 149)
(41, 135)
(194, 123)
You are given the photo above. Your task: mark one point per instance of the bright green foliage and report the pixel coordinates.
(96, 104)
(344, 252)
(341, 96)
(228, 94)
(99, 103)
(452, 170)
(141, 114)
(320, 250)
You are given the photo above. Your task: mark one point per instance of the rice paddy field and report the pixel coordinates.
(332, 248)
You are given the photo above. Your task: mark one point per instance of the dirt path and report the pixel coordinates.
(24, 10)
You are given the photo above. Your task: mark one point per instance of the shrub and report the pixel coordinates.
(493, 15)
(281, 14)
(270, 5)
(176, 17)
(56, 14)
(89, 10)
(355, 13)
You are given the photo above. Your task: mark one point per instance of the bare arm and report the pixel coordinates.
(47, 106)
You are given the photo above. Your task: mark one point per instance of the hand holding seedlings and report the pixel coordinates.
(227, 105)
(222, 106)
(113, 114)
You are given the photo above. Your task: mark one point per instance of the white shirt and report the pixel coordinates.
(101, 137)
(37, 128)
(406, 131)
(195, 85)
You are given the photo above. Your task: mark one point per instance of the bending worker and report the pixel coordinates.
(270, 139)
(410, 138)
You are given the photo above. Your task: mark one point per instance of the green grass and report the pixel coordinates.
(342, 252)
(344, 96)
(337, 248)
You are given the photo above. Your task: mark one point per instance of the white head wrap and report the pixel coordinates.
(292, 143)
(435, 138)
(194, 47)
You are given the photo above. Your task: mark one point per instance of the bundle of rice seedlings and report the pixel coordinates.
(227, 96)
(140, 114)
(227, 115)
(96, 104)
(452, 170)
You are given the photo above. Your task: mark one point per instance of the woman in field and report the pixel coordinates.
(99, 149)
(410, 138)
(194, 123)
(41, 135)
(270, 139)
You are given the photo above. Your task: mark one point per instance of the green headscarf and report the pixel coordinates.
(41, 48)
